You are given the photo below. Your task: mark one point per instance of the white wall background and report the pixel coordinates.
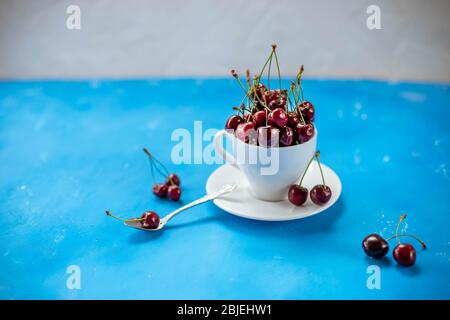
(137, 38)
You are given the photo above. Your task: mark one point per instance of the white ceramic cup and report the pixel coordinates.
(269, 171)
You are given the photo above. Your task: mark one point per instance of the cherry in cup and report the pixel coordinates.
(278, 118)
(304, 132)
(287, 137)
(246, 132)
(260, 118)
(308, 111)
(263, 106)
(233, 122)
(268, 136)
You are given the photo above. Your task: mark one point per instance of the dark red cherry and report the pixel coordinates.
(286, 137)
(279, 103)
(271, 95)
(308, 111)
(405, 254)
(375, 246)
(233, 122)
(260, 118)
(172, 179)
(278, 118)
(297, 194)
(174, 193)
(320, 194)
(293, 119)
(160, 190)
(268, 136)
(304, 132)
(246, 132)
(259, 91)
(150, 220)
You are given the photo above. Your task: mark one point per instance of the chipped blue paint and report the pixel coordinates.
(70, 150)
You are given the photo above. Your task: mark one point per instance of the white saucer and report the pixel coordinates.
(242, 203)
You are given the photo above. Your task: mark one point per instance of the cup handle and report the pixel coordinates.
(221, 151)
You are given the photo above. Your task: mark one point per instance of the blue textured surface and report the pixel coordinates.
(70, 150)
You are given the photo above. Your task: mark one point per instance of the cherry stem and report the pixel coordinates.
(299, 82)
(235, 75)
(304, 173)
(296, 107)
(264, 104)
(320, 167)
(400, 220)
(247, 92)
(268, 73)
(408, 235)
(265, 64)
(274, 47)
(151, 157)
(110, 214)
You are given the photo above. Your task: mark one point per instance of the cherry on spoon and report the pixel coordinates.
(136, 223)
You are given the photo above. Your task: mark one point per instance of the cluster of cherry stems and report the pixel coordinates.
(272, 117)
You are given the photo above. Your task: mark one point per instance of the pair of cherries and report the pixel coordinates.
(171, 187)
(319, 194)
(377, 247)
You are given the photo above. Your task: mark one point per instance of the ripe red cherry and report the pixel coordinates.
(375, 246)
(286, 137)
(274, 95)
(246, 132)
(150, 220)
(260, 118)
(297, 194)
(293, 119)
(160, 190)
(405, 254)
(279, 103)
(278, 118)
(233, 122)
(172, 179)
(308, 111)
(320, 194)
(268, 136)
(174, 193)
(271, 95)
(259, 91)
(304, 132)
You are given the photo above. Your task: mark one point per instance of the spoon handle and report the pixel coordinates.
(227, 188)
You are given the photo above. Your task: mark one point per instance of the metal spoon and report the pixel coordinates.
(135, 223)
